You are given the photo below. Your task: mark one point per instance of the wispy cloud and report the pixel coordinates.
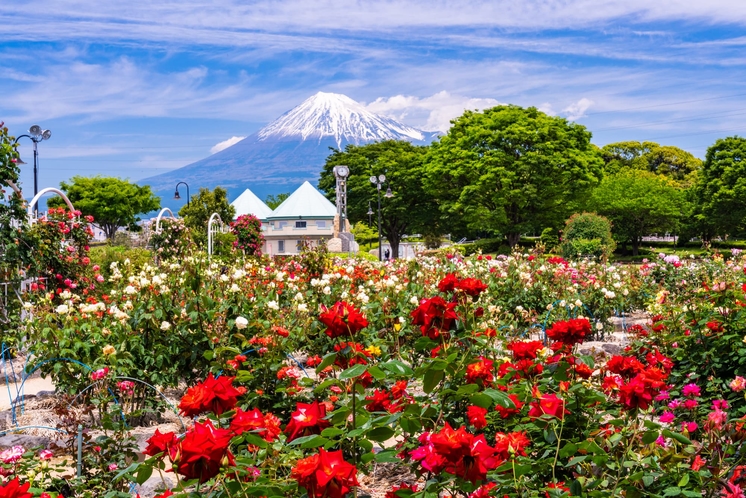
(575, 111)
(225, 144)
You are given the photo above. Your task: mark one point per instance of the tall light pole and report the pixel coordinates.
(36, 134)
(378, 182)
(176, 193)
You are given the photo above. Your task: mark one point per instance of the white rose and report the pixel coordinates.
(241, 323)
(130, 290)
(165, 326)
(327, 290)
(302, 307)
(273, 305)
(62, 309)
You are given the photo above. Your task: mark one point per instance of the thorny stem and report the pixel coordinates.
(559, 441)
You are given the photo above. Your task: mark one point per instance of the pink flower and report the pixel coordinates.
(720, 404)
(690, 404)
(661, 441)
(113, 467)
(674, 404)
(12, 455)
(662, 396)
(732, 491)
(667, 417)
(46, 454)
(716, 419)
(738, 384)
(690, 390)
(690, 427)
(100, 374)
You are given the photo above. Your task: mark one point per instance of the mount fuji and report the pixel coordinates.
(289, 150)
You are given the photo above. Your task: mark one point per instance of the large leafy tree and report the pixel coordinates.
(720, 192)
(509, 170)
(15, 249)
(112, 202)
(410, 210)
(638, 203)
(273, 201)
(201, 206)
(665, 160)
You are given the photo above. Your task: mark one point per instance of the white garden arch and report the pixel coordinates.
(160, 215)
(211, 230)
(42, 192)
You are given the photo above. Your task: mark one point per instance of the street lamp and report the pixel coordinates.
(36, 134)
(370, 215)
(378, 182)
(176, 193)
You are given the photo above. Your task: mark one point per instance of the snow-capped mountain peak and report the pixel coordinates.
(339, 117)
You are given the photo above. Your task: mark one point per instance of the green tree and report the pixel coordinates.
(15, 249)
(273, 201)
(363, 233)
(509, 170)
(112, 202)
(720, 191)
(201, 206)
(665, 160)
(638, 203)
(410, 210)
(587, 235)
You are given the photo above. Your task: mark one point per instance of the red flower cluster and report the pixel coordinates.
(265, 426)
(525, 350)
(570, 332)
(342, 319)
(307, 419)
(548, 405)
(392, 401)
(626, 366)
(640, 390)
(14, 489)
(435, 317)
(325, 474)
(477, 416)
(512, 444)
(457, 452)
(480, 372)
(202, 451)
(392, 493)
(215, 395)
(469, 286)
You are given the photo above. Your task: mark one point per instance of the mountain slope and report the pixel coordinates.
(288, 151)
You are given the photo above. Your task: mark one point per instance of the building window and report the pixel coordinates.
(300, 224)
(321, 224)
(280, 246)
(299, 245)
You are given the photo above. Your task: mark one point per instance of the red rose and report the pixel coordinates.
(525, 350)
(392, 493)
(435, 317)
(307, 419)
(265, 426)
(342, 319)
(510, 445)
(14, 489)
(449, 283)
(548, 404)
(325, 474)
(202, 450)
(480, 372)
(214, 394)
(471, 286)
(571, 331)
(477, 416)
(507, 412)
(161, 443)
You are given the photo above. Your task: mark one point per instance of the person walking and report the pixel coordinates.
(386, 255)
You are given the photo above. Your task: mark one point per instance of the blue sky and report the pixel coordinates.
(133, 89)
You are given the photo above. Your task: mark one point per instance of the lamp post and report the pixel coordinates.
(36, 134)
(176, 193)
(378, 182)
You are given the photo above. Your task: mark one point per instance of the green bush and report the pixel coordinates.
(105, 255)
(587, 235)
(549, 238)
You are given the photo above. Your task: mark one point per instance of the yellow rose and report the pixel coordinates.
(374, 350)
(109, 349)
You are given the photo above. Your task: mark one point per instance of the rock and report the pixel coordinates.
(155, 485)
(612, 348)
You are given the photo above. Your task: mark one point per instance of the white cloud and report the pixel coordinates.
(577, 110)
(433, 113)
(225, 144)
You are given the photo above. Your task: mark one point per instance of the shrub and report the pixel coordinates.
(173, 239)
(549, 238)
(105, 255)
(587, 235)
(248, 231)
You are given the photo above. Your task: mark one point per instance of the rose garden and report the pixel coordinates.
(326, 375)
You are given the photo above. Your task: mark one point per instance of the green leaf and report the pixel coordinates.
(576, 460)
(398, 368)
(380, 434)
(481, 400)
(431, 380)
(143, 473)
(672, 492)
(332, 432)
(500, 398)
(683, 481)
(254, 440)
(649, 437)
(377, 373)
(328, 360)
(313, 441)
(388, 456)
(352, 372)
(467, 389)
(678, 437)
(568, 449)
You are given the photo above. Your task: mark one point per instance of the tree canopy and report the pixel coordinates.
(410, 210)
(665, 160)
(720, 192)
(510, 170)
(638, 203)
(201, 206)
(112, 202)
(273, 201)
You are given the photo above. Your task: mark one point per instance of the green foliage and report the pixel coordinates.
(410, 210)
(104, 255)
(587, 235)
(314, 257)
(112, 202)
(509, 170)
(202, 205)
(664, 160)
(274, 201)
(549, 238)
(363, 233)
(721, 188)
(15, 250)
(638, 203)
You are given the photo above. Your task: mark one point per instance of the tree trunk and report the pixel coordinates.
(394, 242)
(513, 239)
(635, 246)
